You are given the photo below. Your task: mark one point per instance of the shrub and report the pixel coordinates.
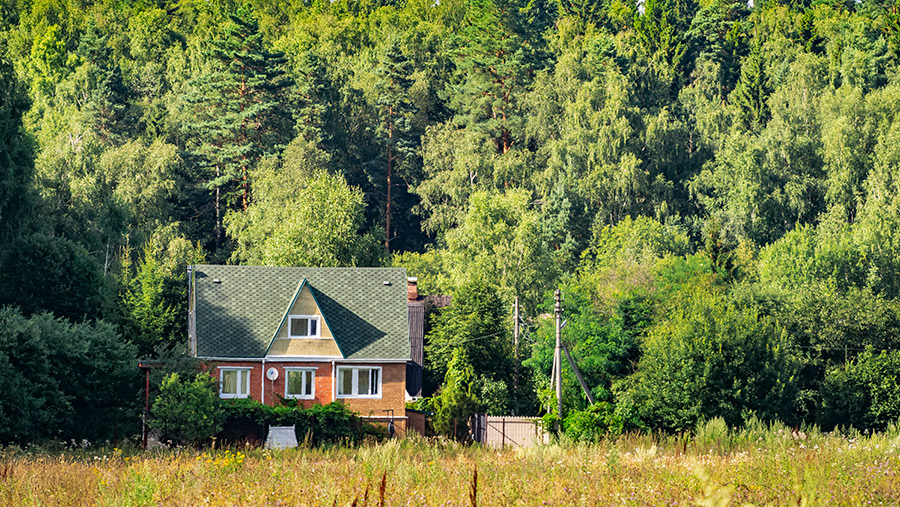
(600, 420)
(63, 380)
(188, 412)
(713, 359)
(864, 394)
(456, 402)
(248, 421)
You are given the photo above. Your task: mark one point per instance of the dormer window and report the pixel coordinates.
(304, 326)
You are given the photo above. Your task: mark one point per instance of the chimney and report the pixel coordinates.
(412, 289)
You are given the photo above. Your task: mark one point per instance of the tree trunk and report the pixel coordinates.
(218, 214)
(387, 226)
(390, 159)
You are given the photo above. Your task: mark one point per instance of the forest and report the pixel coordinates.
(713, 184)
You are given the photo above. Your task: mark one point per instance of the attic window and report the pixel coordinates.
(304, 326)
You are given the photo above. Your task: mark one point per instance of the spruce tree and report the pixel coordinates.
(314, 93)
(752, 92)
(239, 110)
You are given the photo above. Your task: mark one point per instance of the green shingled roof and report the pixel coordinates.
(238, 314)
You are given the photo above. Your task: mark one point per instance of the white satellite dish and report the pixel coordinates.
(272, 374)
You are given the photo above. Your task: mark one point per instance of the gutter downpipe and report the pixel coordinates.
(262, 382)
(192, 344)
(333, 382)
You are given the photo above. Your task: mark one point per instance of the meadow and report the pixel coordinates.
(717, 466)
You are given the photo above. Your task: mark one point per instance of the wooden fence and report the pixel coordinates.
(503, 431)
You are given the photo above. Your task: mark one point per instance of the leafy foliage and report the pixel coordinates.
(47, 273)
(247, 420)
(302, 216)
(456, 402)
(188, 411)
(65, 381)
(714, 360)
(864, 393)
(643, 155)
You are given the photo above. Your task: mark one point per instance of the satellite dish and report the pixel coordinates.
(272, 374)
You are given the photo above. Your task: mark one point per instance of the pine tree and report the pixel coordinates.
(314, 94)
(107, 96)
(395, 112)
(498, 50)
(718, 34)
(239, 108)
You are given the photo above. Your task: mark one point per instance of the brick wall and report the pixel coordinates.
(322, 380)
(393, 393)
(393, 386)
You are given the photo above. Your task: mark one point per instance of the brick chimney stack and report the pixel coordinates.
(412, 289)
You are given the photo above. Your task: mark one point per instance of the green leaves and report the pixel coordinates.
(864, 393)
(714, 360)
(16, 157)
(302, 216)
(188, 411)
(456, 402)
(62, 380)
(237, 108)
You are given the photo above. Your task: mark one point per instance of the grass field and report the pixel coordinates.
(767, 466)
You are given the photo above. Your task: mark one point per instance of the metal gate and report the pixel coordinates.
(503, 431)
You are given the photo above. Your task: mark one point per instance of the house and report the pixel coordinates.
(314, 335)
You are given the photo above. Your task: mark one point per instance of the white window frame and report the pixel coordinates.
(355, 382)
(243, 381)
(310, 318)
(287, 372)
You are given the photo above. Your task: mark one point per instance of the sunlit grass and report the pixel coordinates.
(759, 465)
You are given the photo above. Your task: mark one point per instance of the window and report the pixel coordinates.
(304, 326)
(359, 382)
(234, 382)
(300, 383)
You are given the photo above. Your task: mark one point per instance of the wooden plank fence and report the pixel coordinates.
(503, 431)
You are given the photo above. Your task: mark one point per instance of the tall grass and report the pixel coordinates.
(758, 465)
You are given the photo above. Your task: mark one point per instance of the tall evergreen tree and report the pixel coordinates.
(395, 112)
(751, 93)
(497, 51)
(662, 28)
(314, 93)
(239, 108)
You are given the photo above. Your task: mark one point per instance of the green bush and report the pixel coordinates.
(600, 420)
(188, 412)
(65, 381)
(864, 394)
(714, 359)
(457, 401)
(248, 421)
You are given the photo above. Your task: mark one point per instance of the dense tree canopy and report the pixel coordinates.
(647, 156)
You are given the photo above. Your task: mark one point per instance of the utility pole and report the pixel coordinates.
(516, 329)
(556, 355)
(516, 354)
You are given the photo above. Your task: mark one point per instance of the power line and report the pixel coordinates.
(817, 347)
(481, 337)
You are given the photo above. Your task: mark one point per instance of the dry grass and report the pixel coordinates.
(716, 468)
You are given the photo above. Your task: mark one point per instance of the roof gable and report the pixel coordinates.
(239, 309)
(304, 303)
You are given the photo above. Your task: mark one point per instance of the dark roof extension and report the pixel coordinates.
(239, 308)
